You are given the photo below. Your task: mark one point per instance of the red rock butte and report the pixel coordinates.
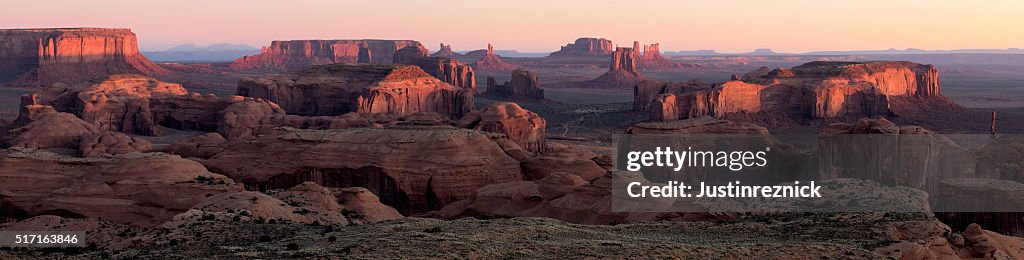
(284, 55)
(43, 57)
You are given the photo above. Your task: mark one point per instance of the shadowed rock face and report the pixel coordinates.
(142, 189)
(414, 168)
(284, 55)
(812, 90)
(336, 89)
(622, 72)
(586, 47)
(42, 57)
(524, 86)
(449, 70)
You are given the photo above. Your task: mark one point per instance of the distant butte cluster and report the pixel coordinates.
(491, 61)
(42, 57)
(586, 47)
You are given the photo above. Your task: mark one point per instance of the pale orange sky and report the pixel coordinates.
(544, 25)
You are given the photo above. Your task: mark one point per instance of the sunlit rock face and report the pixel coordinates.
(811, 90)
(43, 57)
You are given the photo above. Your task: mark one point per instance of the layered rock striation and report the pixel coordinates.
(331, 90)
(286, 55)
(44, 57)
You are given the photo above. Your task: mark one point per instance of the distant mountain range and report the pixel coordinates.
(768, 52)
(190, 52)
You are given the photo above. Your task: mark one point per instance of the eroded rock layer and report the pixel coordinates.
(331, 90)
(42, 57)
(812, 90)
(622, 71)
(449, 70)
(284, 55)
(413, 168)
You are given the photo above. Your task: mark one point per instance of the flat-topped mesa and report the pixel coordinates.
(586, 47)
(43, 57)
(446, 52)
(330, 90)
(490, 61)
(809, 91)
(622, 71)
(449, 70)
(285, 55)
(523, 87)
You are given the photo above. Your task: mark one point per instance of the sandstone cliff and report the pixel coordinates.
(42, 57)
(285, 55)
(449, 70)
(809, 91)
(525, 128)
(586, 47)
(331, 90)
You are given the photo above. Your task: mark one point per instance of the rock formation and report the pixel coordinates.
(622, 72)
(704, 125)
(491, 61)
(43, 57)
(141, 189)
(50, 130)
(331, 90)
(132, 104)
(112, 143)
(304, 203)
(813, 90)
(586, 47)
(285, 55)
(449, 70)
(520, 125)
(446, 52)
(201, 146)
(523, 87)
(413, 168)
(651, 58)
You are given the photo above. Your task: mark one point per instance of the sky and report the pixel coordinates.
(544, 25)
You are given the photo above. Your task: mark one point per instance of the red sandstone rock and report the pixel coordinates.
(520, 125)
(43, 57)
(133, 104)
(449, 70)
(285, 55)
(446, 52)
(812, 90)
(586, 47)
(414, 168)
(622, 72)
(705, 125)
(523, 87)
(651, 58)
(201, 146)
(112, 143)
(50, 130)
(575, 160)
(141, 189)
(304, 203)
(491, 61)
(331, 90)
